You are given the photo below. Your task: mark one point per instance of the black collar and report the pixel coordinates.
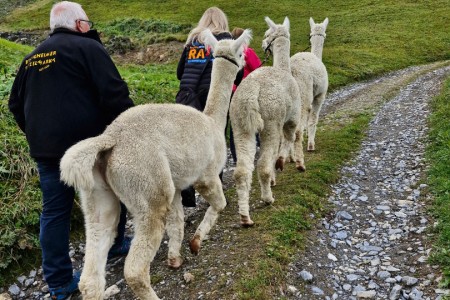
(229, 59)
(92, 34)
(311, 35)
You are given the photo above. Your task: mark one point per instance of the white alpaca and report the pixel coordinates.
(312, 77)
(145, 158)
(267, 101)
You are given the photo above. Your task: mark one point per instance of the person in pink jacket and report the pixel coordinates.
(252, 62)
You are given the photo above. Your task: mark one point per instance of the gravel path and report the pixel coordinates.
(375, 244)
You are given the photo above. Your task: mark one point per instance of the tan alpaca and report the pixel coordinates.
(145, 158)
(267, 101)
(312, 78)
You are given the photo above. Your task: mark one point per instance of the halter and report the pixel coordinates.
(229, 59)
(324, 35)
(310, 36)
(268, 52)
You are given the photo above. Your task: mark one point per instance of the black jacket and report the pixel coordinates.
(192, 63)
(66, 90)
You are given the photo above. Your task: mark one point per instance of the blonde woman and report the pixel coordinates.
(194, 69)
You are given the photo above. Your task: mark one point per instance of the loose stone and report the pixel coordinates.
(306, 276)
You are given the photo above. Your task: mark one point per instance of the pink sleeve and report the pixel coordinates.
(252, 61)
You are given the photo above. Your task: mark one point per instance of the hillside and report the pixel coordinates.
(364, 38)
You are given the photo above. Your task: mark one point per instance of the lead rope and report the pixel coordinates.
(309, 39)
(268, 52)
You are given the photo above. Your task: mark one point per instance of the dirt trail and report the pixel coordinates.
(214, 267)
(375, 243)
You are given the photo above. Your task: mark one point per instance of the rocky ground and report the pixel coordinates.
(373, 245)
(376, 242)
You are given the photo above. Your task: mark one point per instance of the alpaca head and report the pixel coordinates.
(231, 50)
(275, 31)
(318, 29)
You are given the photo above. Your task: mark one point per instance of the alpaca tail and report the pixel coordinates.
(78, 161)
(247, 109)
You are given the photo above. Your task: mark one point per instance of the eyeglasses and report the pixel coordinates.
(90, 23)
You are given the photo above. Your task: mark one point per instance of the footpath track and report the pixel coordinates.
(376, 241)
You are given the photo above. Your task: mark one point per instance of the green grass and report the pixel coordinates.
(10, 58)
(19, 190)
(364, 37)
(439, 177)
(144, 32)
(151, 83)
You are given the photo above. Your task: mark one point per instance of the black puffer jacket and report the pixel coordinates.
(192, 64)
(66, 90)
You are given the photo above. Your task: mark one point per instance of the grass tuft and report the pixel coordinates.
(438, 154)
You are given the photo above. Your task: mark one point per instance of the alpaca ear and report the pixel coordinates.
(311, 22)
(243, 40)
(209, 39)
(325, 23)
(271, 24)
(286, 23)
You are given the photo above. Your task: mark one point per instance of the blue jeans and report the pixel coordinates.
(57, 203)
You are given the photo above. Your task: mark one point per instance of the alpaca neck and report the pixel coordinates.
(222, 78)
(281, 53)
(317, 42)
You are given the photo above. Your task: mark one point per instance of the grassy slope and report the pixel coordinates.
(19, 187)
(364, 39)
(439, 176)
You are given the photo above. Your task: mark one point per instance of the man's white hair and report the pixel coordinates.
(64, 14)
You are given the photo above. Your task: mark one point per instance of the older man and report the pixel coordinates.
(68, 89)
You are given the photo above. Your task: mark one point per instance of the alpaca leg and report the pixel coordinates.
(273, 180)
(298, 150)
(270, 140)
(212, 192)
(290, 155)
(175, 231)
(101, 210)
(149, 231)
(282, 154)
(313, 119)
(286, 144)
(246, 150)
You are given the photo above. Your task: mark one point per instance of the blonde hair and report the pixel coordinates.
(213, 19)
(64, 14)
(237, 31)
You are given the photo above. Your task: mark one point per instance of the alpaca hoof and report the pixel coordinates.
(273, 182)
(90, 291)
(175, 262)
(311, 147)
(195, 245)
(268, 201)
(279, 165)
(246, 222)
(300, 167)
